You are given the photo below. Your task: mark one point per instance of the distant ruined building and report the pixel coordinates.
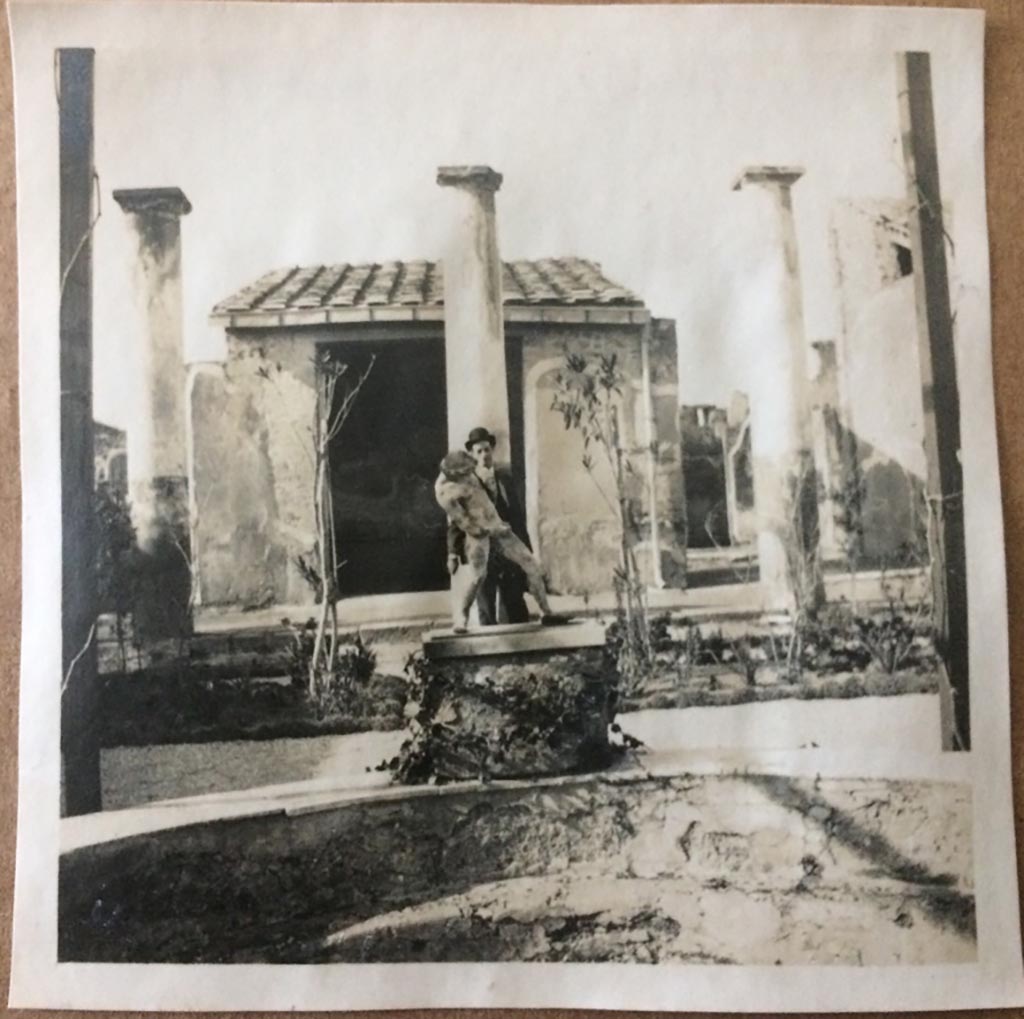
(867, 434)
(879, 372)
(111, 458)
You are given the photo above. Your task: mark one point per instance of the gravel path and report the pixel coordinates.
(907, 725)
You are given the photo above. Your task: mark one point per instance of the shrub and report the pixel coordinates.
(353, 666)
(547, 715)
(117, 563)
(893, 638)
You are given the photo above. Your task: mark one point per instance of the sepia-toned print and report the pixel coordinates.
(485, 540)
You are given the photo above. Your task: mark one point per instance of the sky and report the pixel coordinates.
(313, 136)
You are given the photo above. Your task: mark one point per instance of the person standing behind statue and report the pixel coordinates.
(503, 578)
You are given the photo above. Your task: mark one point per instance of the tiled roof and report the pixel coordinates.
(402, 291)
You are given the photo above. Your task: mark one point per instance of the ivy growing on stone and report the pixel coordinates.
(509, 719)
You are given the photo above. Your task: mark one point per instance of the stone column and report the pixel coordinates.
(474, 325)
(784, 482)
(156, 436)
(157, 472)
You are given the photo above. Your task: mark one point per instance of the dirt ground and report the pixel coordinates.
(738, 866)
(137, 775)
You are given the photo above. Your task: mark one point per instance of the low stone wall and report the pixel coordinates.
(287, 888)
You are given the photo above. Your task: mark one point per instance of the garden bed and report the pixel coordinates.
(252, 685)
(713, 686)
(186, 705)
(839, 654)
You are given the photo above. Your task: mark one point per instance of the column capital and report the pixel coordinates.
(471, 178)
(162, 201)
(783, 176)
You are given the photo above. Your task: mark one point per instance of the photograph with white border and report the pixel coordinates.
(511, 510)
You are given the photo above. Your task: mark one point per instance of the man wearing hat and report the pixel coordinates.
(504, 579)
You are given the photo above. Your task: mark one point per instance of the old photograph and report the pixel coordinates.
(526, 492)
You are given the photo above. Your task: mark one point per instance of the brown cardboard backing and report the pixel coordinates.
(1004, 150)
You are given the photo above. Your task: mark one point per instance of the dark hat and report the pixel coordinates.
(480, 435)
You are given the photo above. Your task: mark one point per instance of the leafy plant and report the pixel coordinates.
(117, 562)
(745, 653)
(892, 636)
(353, 667)
(588, 395)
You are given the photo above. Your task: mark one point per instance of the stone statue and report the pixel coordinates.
(461, 494)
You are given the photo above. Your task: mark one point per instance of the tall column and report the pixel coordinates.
(784, 482)
(474, 325)
(157, 470)
(156, 438)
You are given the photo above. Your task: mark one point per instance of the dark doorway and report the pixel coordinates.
(390, 531)
(701, 429)
(514, 385)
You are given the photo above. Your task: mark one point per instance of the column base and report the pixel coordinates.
(162, 600)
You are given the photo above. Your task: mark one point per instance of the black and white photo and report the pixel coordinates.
(509, 485)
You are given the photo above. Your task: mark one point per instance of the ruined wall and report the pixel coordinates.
(834, 456)
(252, 477)
(880, 378)
(252, 471)
(571, 512)
(669, 472)
(718, 472)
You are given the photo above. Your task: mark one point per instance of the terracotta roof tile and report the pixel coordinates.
(548, 281)
(319, 289)
(285, 295)
(433, 287)
(351, 287)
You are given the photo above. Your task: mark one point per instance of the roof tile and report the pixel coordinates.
(547, 281)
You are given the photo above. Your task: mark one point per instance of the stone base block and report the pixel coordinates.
(509, 702)
(162, 603)
(515, 638)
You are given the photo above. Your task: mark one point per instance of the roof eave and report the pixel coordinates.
(514, 314)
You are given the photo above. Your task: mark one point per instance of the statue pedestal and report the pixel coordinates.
(512, 638)
(509, 702)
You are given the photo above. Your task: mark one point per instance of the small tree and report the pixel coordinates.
(320, 569)
(588, 395)
(332, 411)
